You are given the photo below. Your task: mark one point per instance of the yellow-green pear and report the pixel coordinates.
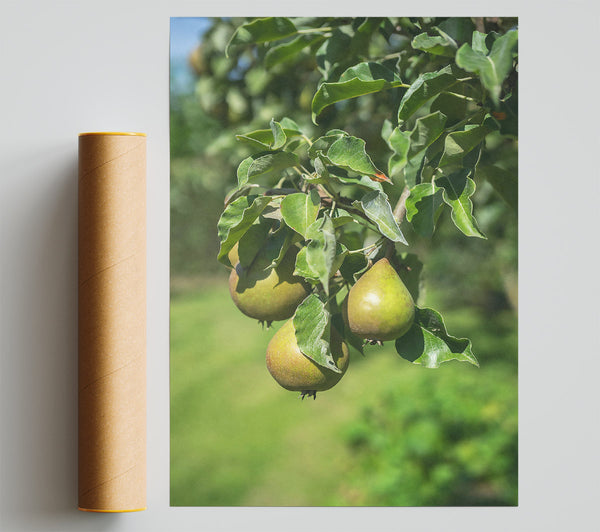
(233, 255)
(296, 372)
(268, 295)
(380, 306)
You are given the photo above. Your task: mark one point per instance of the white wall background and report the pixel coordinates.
(67, 67)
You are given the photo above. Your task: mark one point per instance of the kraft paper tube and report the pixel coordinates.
(112, 322)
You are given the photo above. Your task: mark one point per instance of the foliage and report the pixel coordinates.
(451, 444)
(442, 97)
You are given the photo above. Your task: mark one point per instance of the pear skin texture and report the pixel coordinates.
(233, 255)
(380, 306)
(296, 372)
(271, 295)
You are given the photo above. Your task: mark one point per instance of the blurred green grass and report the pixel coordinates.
(238, 439)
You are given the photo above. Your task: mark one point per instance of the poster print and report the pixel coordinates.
(344, 261)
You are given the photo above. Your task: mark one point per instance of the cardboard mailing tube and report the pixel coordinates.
(112, 322)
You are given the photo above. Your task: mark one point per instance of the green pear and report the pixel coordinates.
(295, 371)
(268, 295)
(380, 306)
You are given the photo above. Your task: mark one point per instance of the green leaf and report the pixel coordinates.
(322, 144)
(353, 265)
(399, 142)
(290, 126)
(349, 153)
(242, 171)
(263, 138)
(320, 168)
(427, 343)
(423, 208)
(371, 71)
(334, 50)
(478, 43)
(441, 44)
(453, 106)
(426, 87)
(361, 79)
(272, 162)
(279, 136)
(262, 30)
(283, 237)
(239, 192)
(341, 252)
(459, 28)
(341, 217)
(426, 131)
(352, 340)
(491, 68)
(289, 50)
(362, 181)
(300, 210)
(313, 327)
(505, 183)
(236, 219)
(262, 247)
(376, 206)
(457, 191)
(459, 143)
(252, 240)
(265, 163)
(320, 251)
(303, 269)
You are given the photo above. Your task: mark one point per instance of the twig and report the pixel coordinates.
(400, 208)
(280, 191)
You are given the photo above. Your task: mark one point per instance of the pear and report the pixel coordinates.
(379, 306)
(233, 255)
(295, 371)
(268, 295)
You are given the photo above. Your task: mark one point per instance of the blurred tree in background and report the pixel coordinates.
(444, 440)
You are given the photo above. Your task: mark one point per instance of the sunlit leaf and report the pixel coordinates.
(426, 87)
(428, 344)
(263, 138)
(361, 79)
(236, 219)
(300, 210)
(312, 324)
(303, 268)
(376, 206)
(279, 136)
(265, 163)
(457, 191)
(349, 152)
(459, 143)
(441, 44)
(492, 68)
(399, 141)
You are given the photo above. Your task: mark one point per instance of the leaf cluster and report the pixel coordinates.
(450, 94)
